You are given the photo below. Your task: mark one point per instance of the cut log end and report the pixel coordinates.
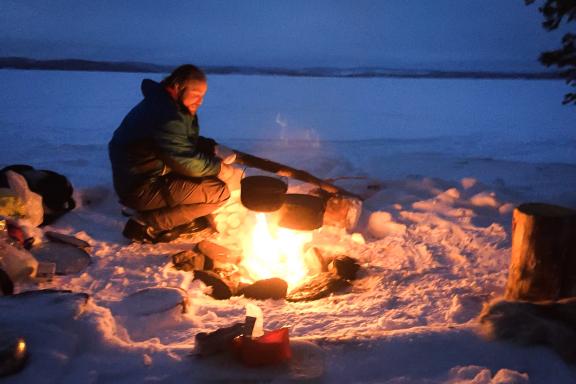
(543, 260)
(545, 210)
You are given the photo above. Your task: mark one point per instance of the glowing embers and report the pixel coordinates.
(271, 251)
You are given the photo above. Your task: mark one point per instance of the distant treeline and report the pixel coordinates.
(137, 67)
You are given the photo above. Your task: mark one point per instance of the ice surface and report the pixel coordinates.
(440, 162)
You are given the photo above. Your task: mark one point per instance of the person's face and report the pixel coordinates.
(191, 94)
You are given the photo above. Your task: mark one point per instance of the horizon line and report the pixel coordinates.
(71, 64)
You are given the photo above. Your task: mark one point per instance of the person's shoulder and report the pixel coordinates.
(152, 89)
(157, 101)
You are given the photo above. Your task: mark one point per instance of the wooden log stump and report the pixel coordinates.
(543, 261)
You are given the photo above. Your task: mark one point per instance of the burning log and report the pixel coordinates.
(318, 287)
(342, 270)
(543, 262)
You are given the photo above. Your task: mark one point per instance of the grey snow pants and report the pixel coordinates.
(173, 200)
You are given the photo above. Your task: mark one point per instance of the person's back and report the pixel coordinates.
(161, 167)
(133, 150)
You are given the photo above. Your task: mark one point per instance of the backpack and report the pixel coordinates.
(55, 189)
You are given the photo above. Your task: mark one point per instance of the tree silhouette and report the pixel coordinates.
(555, 13)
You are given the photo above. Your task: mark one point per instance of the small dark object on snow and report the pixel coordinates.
(189, 261)
(217, 341)
(13, 355)
(6, 284)
(273, 288)
(345, 267)
(221, 289)
(66, 239)
(45, 271)
(320, 286)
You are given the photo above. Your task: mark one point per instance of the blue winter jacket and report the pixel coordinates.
(158, 136)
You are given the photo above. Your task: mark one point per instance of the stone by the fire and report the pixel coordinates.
(221, 288)
(190, 261)
(345, 267)
(273, 288)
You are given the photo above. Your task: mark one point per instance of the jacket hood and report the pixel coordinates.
(151, 89)
(155, 91)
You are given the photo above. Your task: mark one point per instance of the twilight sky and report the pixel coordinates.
(440, 34)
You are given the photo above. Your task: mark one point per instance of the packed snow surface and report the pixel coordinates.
(441, 165)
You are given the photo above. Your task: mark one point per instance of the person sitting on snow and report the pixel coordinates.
(161, 166)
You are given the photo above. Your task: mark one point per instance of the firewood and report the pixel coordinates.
(543, 261)
(284, 170)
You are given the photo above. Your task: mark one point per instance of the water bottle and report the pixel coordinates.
(254, 311)
(18, 263)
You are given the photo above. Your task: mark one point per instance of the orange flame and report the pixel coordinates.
(276, 252)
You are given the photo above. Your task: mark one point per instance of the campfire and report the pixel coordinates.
(278, 262)
(274, 255)
(272, 251)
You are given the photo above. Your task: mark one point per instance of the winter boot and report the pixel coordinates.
(195, 231)
(139, 232)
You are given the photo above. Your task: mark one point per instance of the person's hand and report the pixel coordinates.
(285, 173)
(226, 154)
(226, 172)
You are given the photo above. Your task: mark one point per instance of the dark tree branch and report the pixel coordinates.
(555, 13)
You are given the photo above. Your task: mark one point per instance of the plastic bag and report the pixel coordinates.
(32, 201)
(10, 204)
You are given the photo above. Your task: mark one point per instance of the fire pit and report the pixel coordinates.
(274, 263)
(273, 254)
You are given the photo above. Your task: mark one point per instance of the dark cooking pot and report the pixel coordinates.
(301, 212)
(262, 193)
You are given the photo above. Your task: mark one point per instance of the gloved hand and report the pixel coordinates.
(231, 176)
(226, 172)
(226, 154)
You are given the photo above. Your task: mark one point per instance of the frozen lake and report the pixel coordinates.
(483, 118)
(514, 133)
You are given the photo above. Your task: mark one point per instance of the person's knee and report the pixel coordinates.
(224, 194)
(217, 192)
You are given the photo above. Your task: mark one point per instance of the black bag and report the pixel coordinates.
(55, 189)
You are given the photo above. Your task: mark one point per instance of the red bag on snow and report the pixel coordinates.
(271, 348)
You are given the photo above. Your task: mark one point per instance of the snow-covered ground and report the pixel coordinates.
(441, 163)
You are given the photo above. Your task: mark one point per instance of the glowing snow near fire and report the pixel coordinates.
(276, 252)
